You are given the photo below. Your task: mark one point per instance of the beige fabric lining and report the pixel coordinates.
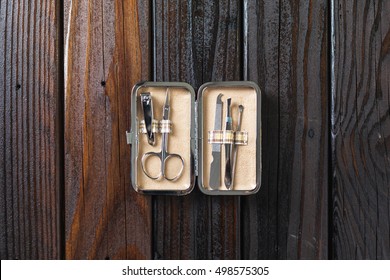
(245, 176)
(179, 141)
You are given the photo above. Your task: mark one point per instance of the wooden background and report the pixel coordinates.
(66, 73)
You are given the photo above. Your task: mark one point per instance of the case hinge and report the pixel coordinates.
(196, 157)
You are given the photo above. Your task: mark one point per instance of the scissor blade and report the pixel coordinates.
(166, 106)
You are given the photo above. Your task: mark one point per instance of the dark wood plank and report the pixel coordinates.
(285, 47)
(261, 41)
(361, 129)
(197, 41)
(107, 51)
(29, 130)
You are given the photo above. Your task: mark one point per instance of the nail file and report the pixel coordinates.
(215, 167)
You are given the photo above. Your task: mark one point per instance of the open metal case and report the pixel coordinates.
(193, 136)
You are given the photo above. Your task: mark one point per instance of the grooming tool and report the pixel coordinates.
(215, 167)
(228, 147)
(147, 108)
(163, 155)
(234, 152)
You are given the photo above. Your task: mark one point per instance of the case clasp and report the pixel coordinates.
(129, 137)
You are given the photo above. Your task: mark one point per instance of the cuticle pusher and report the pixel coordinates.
(234, 152)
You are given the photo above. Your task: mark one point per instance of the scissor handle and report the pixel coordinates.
(143, 161)
(167, 156)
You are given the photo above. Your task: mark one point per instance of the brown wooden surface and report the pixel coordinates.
(361, 130)
(66, 72)
(197, 42)
(29, 122)
(286, 44)
(107, 51)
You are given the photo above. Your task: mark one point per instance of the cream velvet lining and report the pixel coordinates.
(179, 141)
(245, 174)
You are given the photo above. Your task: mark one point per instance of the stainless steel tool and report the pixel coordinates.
(234, 152)
(228, 147)
(215, 167)
(147, 109)
(164, 156)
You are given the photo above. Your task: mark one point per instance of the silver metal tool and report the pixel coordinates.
(228, 147)
(215, 167)
(163, 155)
(147, 109)
(234, 152)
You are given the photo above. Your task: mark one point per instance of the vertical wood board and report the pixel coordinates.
(197, 42)
(361, 129)
(286, 52)
(30, 90)
(106, 52)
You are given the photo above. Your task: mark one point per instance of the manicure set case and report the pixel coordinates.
(197, 133)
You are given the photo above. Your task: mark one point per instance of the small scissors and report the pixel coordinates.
(163, 155)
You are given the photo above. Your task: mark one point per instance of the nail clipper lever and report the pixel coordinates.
(147, 108)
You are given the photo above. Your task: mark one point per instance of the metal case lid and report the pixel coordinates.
(181, 141)
(248, 167)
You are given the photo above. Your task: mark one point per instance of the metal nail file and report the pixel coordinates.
(215, 167)
(147, 108)
(228, 147)
(234, 152)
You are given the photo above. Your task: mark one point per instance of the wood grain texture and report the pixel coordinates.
(361, 129)
(106, 51)
(282, 45)
(197, 42)
(285, 47)
(29, 121)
